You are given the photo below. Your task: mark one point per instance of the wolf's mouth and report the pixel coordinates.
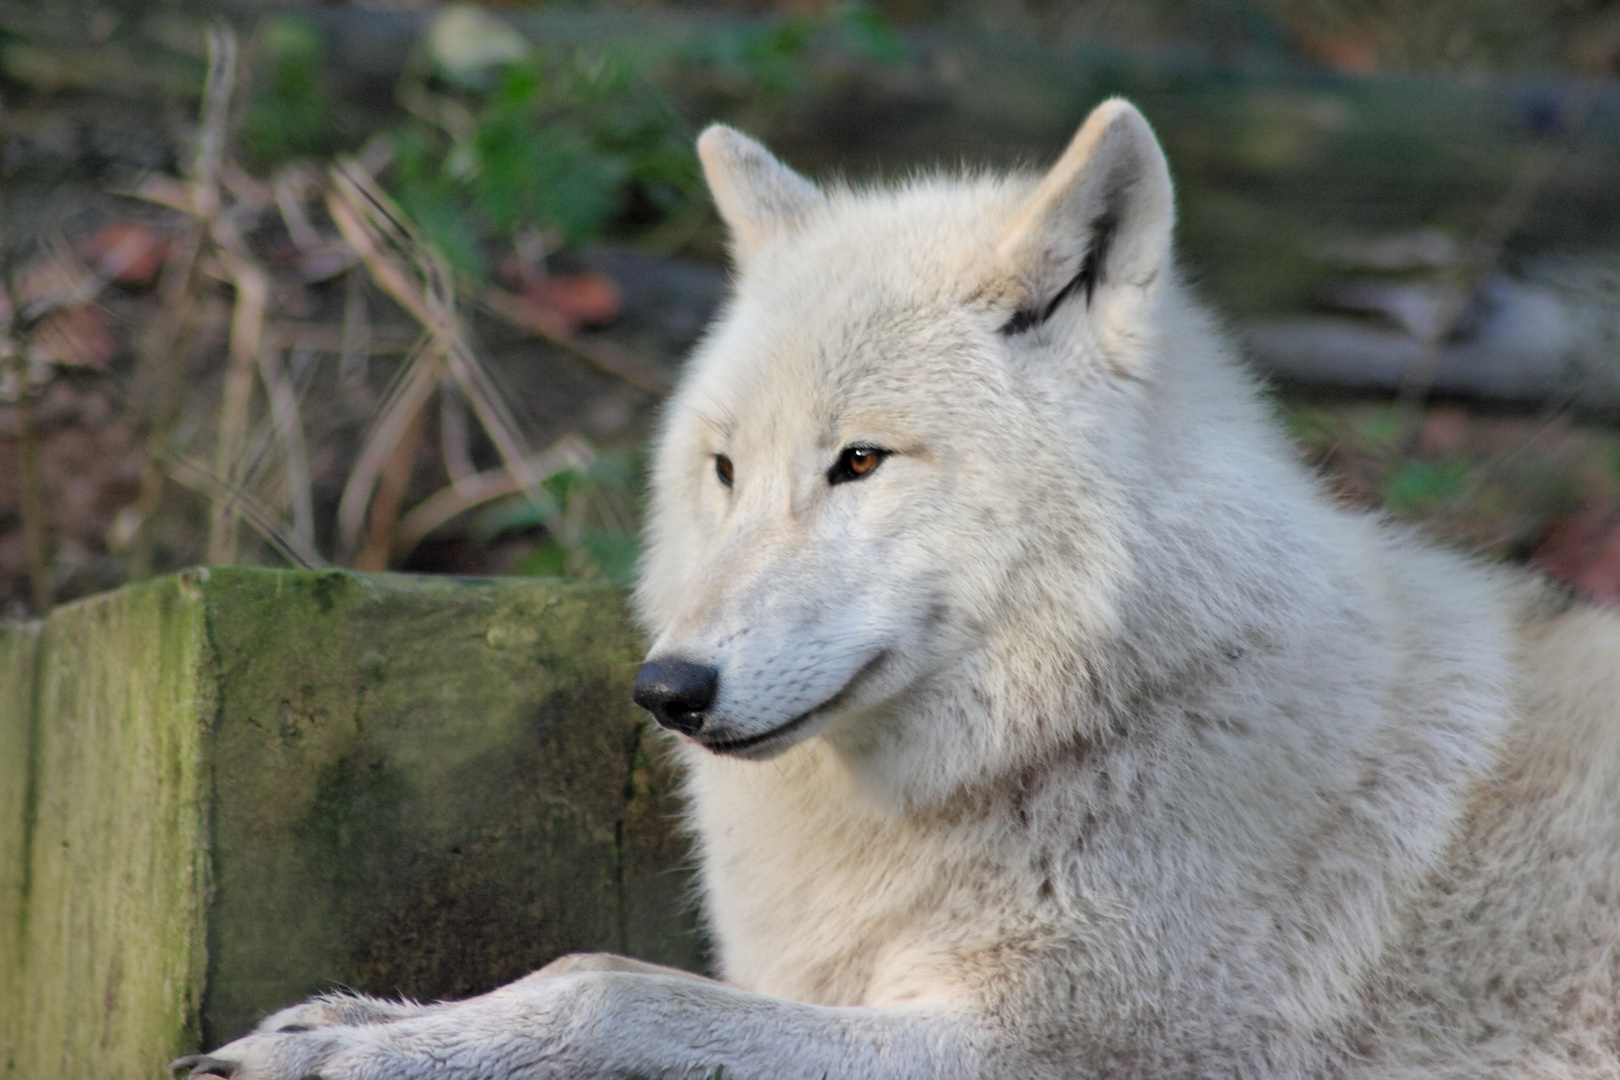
(749, 742)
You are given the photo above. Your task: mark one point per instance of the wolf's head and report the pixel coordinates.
(888, 502)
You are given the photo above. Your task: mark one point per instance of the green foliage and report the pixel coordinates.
(863, 29)
(772, 56)
(763, 57)
(511, 137)
(291, 113)
(560, 143)
(1419, 486)
(1312, 426)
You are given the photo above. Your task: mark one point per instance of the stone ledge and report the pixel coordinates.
(222, 791)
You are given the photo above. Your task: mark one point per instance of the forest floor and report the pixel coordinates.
(123, 368)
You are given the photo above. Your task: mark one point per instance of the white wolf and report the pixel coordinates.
(1042, 717)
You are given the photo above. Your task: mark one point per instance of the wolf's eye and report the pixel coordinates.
(723, 469)
(854, 463)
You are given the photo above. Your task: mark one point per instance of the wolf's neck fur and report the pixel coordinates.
(1191, 778)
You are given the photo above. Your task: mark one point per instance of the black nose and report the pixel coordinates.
(676, 692)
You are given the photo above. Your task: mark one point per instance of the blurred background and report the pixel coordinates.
(401, 285)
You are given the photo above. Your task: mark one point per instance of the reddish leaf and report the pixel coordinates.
(578, 300)
(74, 337)
(129, 253)
(1444, 432)
(1584, 553)
(1356, 53)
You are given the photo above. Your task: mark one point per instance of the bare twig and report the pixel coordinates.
(290, 432)
(417, 276)
(411, 390)
(247, 326)
(200, 478)
(385, 506)
(251, 292)
(490, 408)
(603, 355)
(454, 438)
(290, 185)
(450, 502)
(163, 354)
(387, 244)
(216, 112)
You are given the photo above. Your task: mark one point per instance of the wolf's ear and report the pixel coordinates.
(1096, 231)
(759, 197)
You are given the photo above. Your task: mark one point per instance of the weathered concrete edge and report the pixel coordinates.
(111, 933)
(19, 655)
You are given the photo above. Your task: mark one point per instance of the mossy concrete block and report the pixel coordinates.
(248, 785)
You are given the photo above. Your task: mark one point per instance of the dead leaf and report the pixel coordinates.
(586, 299)
(129, 253)
(80, 337)
(1584, 553)
(1351, 52)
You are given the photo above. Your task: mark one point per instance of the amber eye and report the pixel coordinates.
(723, 469)
(854, 463)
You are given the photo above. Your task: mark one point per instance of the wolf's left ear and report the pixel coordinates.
(1096, 231)
(758, 197)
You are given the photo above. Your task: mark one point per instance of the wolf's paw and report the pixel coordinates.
(299, 1054)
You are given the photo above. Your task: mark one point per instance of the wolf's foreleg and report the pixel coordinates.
(621, 1024)
(346, 1009)
(341, 1009)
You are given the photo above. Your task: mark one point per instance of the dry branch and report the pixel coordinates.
(390, 497)
(602, 355)
(412, 388)
(419, 279)
(162, 357)
(455, 440)
(247, 326)
(450, 502)
(289, 430)
(266, 522)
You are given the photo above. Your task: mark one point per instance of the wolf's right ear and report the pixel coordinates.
(1095, 231)
(759, 198)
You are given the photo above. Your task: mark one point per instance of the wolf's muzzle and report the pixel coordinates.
(676, 692)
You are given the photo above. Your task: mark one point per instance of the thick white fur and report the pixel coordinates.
(1116, 748)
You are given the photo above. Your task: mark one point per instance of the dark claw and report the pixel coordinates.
(204, 1065)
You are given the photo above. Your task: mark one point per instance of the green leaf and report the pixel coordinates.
(290, 113)
(1418, 485)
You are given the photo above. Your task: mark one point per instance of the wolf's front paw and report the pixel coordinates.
(293, 1053)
